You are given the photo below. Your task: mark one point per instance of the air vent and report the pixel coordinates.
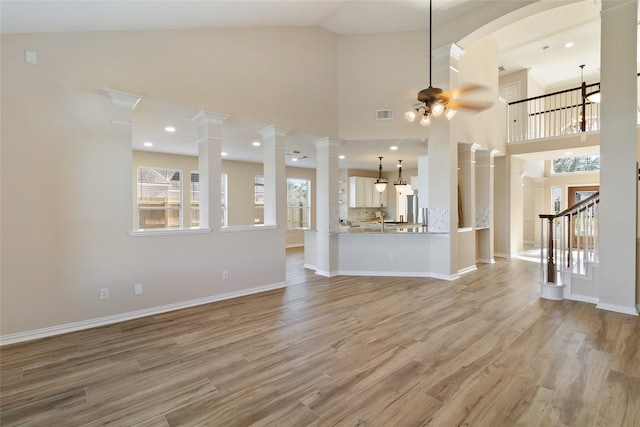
(501, 68)
(384, 115)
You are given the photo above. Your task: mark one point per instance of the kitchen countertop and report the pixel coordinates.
(375, 228)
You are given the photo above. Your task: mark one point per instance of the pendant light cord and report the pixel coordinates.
(430, 38)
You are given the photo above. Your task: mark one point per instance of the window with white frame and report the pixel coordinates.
(298, 205)
(195, 199)
(577, 164)
(258, 192)
(159, 195)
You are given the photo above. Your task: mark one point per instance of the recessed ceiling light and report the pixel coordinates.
(170, 129)
(341, 157)
(393, 148)
(570, 44)
(224, 153)
(148, 144)
(294, 159)
(256, 143)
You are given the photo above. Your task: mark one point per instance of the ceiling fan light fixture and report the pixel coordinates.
(410, 116)
(425, 120)
(437, 109)
(450, 113)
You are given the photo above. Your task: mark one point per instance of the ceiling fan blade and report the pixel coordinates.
(469, 105)
(455, 93)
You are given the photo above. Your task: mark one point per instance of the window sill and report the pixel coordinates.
(236, 228)
(168, 232)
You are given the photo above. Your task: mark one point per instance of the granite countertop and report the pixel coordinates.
(373, 228)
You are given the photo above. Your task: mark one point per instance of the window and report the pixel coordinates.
(223, 199)
(577, 164)
(556, 199)
(258, 190)
(298, 206)
(194, 192)
(195, 199)
(159, 195)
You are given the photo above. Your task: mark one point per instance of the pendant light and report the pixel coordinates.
(400, 184)
(381, 183)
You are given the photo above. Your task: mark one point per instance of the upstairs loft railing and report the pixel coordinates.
(555, 114)
(571, 242)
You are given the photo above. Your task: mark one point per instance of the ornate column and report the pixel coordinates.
(275, 176)
(122, 115)
(327, 211)
(618, 151)
(443, 171)
(210, 166)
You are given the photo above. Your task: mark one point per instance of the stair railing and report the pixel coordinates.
(572, 240)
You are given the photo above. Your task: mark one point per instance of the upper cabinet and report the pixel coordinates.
(363, 194)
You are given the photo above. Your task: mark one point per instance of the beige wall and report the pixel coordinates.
(61, 151)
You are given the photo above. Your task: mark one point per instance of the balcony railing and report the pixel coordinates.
(555, 114)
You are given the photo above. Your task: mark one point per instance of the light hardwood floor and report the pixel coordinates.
(480, 351)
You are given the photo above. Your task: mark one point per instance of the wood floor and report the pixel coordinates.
(349, 351)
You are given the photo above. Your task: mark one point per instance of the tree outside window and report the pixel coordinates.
(159, 194)
(577, 164)
(298, 206)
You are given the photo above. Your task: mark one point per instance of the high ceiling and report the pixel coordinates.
(536, 42)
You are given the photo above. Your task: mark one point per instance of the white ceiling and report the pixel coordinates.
(521, 45)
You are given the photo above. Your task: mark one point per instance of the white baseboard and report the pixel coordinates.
(294, 245)
(425, 274)
(309, 266)
(618, 308)
(116, 318)
(486, 260)
(467, 269)
(583, 298)
(326, 273)
(501, 255)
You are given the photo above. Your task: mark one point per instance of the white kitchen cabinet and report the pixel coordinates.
(363, 194)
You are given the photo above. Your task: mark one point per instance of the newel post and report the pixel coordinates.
(551, 264)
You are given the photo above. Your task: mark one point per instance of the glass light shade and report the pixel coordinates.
(425, 121)
(450, 113)
(594, 97)
(380, 186)
(400, 188)
(410, 116)
(437, 109)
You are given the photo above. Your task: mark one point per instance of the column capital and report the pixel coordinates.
(449, 50)
(203, 117)
(122, 99)
(273, 131)
(327, 142)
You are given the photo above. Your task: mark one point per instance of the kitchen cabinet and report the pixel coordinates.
(363, 194)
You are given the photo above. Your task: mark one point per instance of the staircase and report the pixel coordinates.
(569, 252)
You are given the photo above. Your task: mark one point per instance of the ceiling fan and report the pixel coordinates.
(434, 101)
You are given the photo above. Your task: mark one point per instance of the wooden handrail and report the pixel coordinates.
(575, 208)
(578, 207)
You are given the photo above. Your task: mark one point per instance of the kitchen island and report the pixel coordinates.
(400, 250)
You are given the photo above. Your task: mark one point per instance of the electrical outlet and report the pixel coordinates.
(30, 57)
(391, 258)
(137, 289)
(104, 293)
(225, 275)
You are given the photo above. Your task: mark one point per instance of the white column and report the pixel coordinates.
(210, 166)
(275, 176)
(327, 211)
(618, 152)
(443, 170)
(123, 116)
